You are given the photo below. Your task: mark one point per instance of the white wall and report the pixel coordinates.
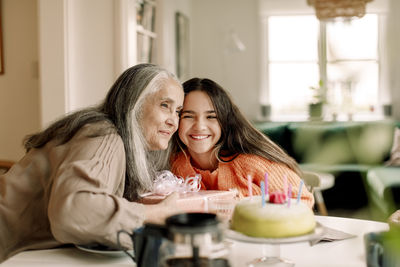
(53, 102)
(239, 72)
(393, 44)
(165, 27)
(19, 86)
(90, 51)
(215, 56)
(77, 54)
(81, 54)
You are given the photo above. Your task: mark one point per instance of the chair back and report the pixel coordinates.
(311, 180)
(5, 165)
(394, 220)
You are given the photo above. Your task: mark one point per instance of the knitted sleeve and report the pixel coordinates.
(234, 175)
(86, 203)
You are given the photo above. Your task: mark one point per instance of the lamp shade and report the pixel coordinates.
(330, 9)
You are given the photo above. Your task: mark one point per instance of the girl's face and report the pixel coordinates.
(161, 115)
(199, 129)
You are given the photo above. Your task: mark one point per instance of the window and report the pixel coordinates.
(301, 51)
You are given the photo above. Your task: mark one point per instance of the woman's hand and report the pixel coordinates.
(157, 213)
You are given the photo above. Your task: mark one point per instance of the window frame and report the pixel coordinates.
(322, 65)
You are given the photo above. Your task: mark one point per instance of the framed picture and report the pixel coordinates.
(145, 32)
(146, 14)
(1, 44)
(182, 46)
(145, 48)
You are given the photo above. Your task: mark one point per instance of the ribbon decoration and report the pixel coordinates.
(166, 183)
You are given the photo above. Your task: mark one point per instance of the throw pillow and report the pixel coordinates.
(395, 152)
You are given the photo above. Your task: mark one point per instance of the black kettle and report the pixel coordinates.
(187, 239)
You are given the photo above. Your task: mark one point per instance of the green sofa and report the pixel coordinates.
(351, 151)
(384, 190)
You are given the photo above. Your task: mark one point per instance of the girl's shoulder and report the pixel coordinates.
(249, 159)
(178, 157)
(245, 162)
(180, 160)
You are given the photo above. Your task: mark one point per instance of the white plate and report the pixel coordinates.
(103, 250)
(317, 233)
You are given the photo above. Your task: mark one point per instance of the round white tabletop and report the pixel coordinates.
(349, 252)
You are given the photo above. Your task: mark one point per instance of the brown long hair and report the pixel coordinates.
(122, 108)
(238, 135)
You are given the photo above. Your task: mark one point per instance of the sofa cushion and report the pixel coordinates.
(321, 143)
(278, 133)
(395, 151)
(336, 168)
(335, 143)
(384, 185)
(370, 143)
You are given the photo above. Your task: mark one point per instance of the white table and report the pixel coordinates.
(347, 253)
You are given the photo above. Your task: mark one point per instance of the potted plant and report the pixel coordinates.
(318, 99)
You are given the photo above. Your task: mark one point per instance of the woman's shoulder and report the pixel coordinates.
(91, 132)
(97, 128)
(99, 134)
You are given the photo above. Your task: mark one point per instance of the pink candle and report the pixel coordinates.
(249, 181)
(289, 194)
(266, 183)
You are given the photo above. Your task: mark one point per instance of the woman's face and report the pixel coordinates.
(199, 129)
(161, 115)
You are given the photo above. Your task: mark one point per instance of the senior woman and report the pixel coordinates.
(80, 177)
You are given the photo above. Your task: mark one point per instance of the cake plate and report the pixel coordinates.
(274, 259)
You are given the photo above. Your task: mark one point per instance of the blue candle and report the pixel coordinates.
(262, 193)
(299, 194)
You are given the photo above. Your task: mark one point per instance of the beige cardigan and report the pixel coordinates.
(70, 193)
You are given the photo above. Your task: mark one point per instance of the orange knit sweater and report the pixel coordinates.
(233, 174)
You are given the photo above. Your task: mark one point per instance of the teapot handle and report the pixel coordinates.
(132, 256)
(146, 242)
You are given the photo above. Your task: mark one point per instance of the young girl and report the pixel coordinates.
(215, 140)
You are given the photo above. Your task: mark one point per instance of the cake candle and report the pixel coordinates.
(262, 193)
(299, 193)
(266, 183)
(289, 194)
(249, 186)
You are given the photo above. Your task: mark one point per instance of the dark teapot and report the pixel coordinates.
(187, 239)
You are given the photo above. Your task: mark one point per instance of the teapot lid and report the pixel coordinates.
(192, 223)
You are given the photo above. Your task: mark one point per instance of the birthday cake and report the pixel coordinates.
(272, 220)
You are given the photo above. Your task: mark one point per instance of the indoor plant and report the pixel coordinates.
(318, 99)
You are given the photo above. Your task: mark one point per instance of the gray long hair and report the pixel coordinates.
(122, 107)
